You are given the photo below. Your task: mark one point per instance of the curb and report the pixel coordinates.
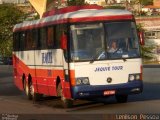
(151, 66)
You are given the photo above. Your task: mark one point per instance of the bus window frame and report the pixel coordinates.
(105, 37)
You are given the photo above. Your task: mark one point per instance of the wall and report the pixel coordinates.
(156, 3)
(149, 23)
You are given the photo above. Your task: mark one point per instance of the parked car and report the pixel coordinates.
(7, 60)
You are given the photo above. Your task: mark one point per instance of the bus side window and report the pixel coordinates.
(60, 29)
(43, 38)
(28, 41)
(22, 40)
(58, 35)
(50, 37)
(35, 38)
(16, 41)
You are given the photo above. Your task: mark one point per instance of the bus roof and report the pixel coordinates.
(81, 15)
(70, 9)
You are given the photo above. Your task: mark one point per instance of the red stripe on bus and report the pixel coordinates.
(102, 18)
(18, 64)
(38, 78)
(73, 20)
(41, 25)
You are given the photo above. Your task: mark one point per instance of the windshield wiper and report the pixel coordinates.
(98, 56)
(124, 59)
(93, 59)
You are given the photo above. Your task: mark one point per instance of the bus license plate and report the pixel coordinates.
(110, 92)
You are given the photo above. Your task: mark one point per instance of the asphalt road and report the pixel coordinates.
(13, 102)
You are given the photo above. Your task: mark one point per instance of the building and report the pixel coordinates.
(107, 2)
(152, 9)
(156, 3)
(122, 1)
(98, 2)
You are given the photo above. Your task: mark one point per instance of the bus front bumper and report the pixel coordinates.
(89, 91)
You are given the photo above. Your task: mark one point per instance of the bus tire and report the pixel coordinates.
(66, 103)
(35, 96)
(24, 82)
(27, 90)
(121, 98)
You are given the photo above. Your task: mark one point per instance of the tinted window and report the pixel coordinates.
(16, 41)
(43, 38)
(22, 40)
(50, 37)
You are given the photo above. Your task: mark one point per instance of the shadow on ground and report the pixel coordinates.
(151, 92)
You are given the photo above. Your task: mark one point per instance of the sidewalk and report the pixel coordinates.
(151, 65)
(6, 68)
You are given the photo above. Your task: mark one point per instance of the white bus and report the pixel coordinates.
(78, 53)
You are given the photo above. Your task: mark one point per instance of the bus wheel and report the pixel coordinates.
(27, 90)
(67, 103)
(121, 98)
(35, 96)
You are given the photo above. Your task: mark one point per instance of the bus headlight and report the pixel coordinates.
(85, 81)
(134, 77)
(78, 81)
(131, 77)
(82, 81)
(138, 77)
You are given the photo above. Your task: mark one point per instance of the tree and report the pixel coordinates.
(9, 16)
(143, 2)
(75, 2)
(115, 7)
(147, 2)
(110, 1)
(148, 48)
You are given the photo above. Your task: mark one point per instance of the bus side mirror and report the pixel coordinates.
(64, 41)
(141, 37)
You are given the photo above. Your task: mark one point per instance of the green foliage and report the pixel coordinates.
(115, 7)
(9, 16)
(140, 27)
(143, 2)
(146, 2)
(148, 48)
(75, 2)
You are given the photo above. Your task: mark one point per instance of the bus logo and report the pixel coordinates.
(109, 79)
(46, 57)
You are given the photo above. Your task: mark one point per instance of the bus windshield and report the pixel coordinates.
(104, 41)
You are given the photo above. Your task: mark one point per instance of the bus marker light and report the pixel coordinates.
(110, 92)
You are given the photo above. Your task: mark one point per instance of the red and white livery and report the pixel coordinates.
(67, 53)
